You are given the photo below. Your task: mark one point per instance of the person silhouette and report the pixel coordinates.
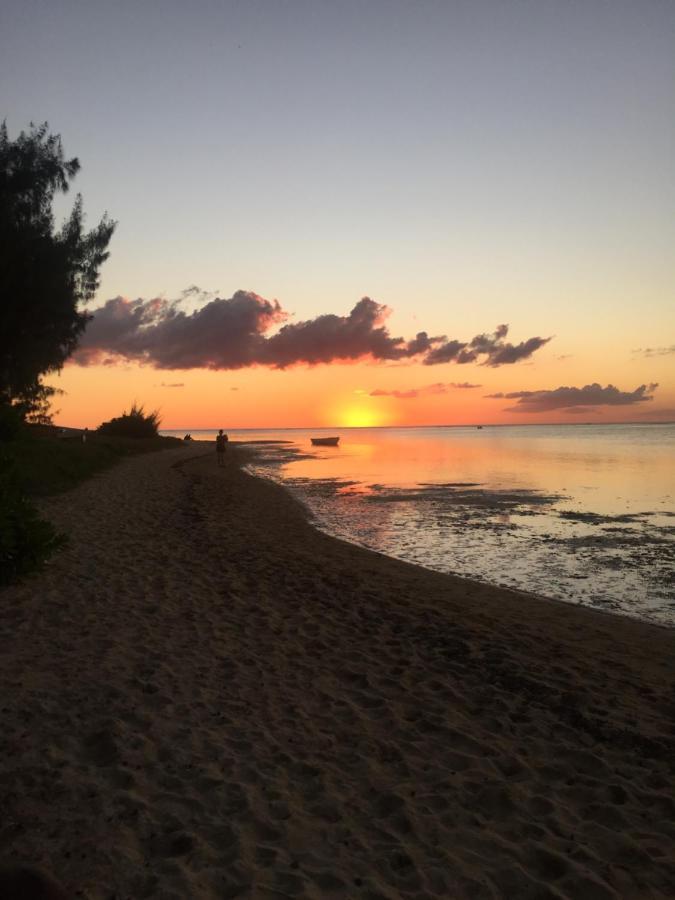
(221, 446)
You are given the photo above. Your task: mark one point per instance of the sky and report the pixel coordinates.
(464, 165)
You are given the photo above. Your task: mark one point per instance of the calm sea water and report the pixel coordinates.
(582, 513)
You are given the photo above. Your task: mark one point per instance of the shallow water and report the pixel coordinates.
(581, 513)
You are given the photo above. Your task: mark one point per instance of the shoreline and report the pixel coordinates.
(475, 582)
(313, 520)
(206, 696)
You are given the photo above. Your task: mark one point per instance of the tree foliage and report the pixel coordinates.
(45, 272)
(136, 424)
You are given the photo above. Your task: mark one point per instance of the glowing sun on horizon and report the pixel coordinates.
(360, 417)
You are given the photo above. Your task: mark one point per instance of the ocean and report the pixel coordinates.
(579, 513)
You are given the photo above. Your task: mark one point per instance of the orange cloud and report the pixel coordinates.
(430, 389)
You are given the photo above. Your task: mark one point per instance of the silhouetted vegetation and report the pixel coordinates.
(133, 424)
(26, 540)
(44, 273)
(11, 422)
(40, 462)
(48, 464)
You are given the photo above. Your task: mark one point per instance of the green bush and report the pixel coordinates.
(135, 424)
(26, 540)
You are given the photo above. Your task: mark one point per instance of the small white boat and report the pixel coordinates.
(326, 442)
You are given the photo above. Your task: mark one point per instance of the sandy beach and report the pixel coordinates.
(204, 696)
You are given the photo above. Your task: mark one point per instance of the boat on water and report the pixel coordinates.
(326, 442)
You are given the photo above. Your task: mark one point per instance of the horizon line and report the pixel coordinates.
(438, 425)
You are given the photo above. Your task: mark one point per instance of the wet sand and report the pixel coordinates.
(203, 696)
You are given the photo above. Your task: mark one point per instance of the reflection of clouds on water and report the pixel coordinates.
(542, 541)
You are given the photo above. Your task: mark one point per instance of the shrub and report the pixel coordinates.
(135, 423)
(11, 421)
(26, 540)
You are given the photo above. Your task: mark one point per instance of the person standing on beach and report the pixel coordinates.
(221, 445)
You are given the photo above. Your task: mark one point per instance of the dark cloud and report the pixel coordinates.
(222, 334)
(422, 343)
(427, 390)
(330, 337)
(235, 333)
(655, 351)
(448, 351)
(488, 349)
(574, 399)
(503, 354)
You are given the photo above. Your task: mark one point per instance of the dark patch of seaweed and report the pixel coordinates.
(452, 495)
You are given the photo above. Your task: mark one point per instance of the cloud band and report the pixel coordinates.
(239, 332)
(574, 399)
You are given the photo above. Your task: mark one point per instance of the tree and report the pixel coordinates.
(45, 274)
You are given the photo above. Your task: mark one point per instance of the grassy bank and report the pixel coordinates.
(41, 462)
(49, 464)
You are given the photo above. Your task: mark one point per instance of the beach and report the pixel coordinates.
(205, 696)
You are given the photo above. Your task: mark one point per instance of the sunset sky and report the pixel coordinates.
(464, 165)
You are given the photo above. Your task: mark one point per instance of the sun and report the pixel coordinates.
(360, 417)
